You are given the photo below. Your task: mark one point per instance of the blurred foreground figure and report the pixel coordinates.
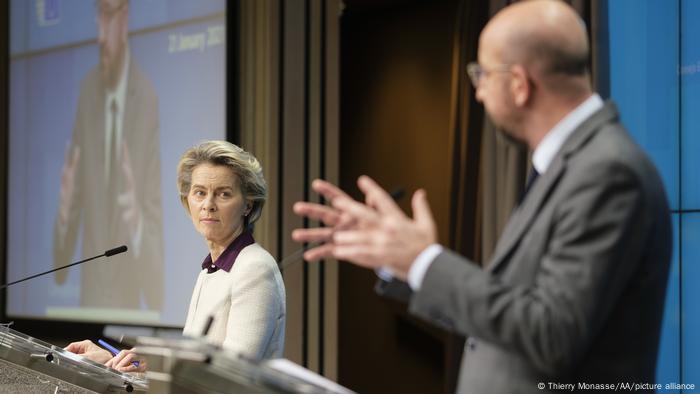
(575, 290)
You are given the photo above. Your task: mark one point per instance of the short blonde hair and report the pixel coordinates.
(223, 153)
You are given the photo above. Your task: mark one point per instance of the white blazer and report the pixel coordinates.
(248, 305)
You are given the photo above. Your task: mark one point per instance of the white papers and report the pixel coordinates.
(296, 370)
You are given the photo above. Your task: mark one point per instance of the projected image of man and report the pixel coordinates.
(110, 183)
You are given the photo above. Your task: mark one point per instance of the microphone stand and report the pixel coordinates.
(108, 253)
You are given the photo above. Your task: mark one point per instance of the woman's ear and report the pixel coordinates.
(248, 208)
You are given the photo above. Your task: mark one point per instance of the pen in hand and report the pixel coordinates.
(113, 350)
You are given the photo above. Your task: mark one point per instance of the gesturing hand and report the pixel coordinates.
(68, 175)
(126, 199)
(375, 234)
(329, 216)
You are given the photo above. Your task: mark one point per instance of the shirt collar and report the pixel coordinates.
(119, 94)
(551, 143)
(228, 257)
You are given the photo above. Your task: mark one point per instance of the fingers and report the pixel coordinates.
(358, 247)
(127, 201)
(89, 350)
(80, 347)
(68, 172)
(126, 167)
(123, 359)
(372, 234)
(319, 234)
(114, 361)
(377, 197)
(421, 210)
(354, 211)
(127, 361)
(319, 253)
(327, 215)
(328, 190)
(344, 238)
(344, 214)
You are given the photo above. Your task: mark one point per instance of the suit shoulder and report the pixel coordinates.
(91, 85)
(256, 257)
(613, 148)
(613, 161)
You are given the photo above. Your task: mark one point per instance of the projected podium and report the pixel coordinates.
(190, 366)
(30, 365)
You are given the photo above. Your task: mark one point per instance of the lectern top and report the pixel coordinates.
(35, 354)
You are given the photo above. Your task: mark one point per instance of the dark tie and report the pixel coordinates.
(531, 178)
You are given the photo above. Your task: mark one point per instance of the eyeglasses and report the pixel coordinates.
(476, 72)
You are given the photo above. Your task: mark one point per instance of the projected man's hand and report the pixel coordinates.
(127, 200)
(68, 175)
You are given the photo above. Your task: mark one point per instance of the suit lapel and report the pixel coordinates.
(524, 215)
(96, 133)
(130, 107)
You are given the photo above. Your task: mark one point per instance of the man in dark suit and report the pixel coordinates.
(111, 177)
(575, 290)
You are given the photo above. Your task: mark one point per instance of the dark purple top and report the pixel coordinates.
(226, 260)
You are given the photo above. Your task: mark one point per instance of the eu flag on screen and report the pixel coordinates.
(48, 12)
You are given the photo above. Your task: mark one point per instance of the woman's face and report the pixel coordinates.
(216, 204)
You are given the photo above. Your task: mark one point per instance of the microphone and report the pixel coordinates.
(108, 253)
(117, 250)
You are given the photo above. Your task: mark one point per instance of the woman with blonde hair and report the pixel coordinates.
(240, 287)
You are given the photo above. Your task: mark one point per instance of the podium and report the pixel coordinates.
(32, 366)
(175, 365)
(191, 366)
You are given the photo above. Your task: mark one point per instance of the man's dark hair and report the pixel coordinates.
(557, 60)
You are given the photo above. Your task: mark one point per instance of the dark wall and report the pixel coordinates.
(395, 119)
